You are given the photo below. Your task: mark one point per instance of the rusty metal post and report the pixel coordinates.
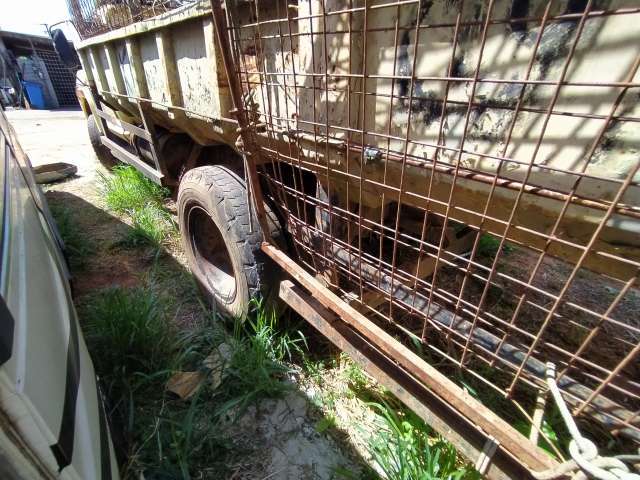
(245, 143)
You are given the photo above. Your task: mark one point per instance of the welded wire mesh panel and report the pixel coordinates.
(62, 79)
(466, 174)
(92, 17)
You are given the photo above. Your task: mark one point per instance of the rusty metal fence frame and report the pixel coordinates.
(93, 17)
(372, 296)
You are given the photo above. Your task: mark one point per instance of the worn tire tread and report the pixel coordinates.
(228, 192)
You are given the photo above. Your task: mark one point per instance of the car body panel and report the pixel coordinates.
(48, 390)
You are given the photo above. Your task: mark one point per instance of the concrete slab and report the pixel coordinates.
(49, 136)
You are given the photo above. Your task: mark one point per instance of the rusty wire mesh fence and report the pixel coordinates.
(465, 173)
(93, 17)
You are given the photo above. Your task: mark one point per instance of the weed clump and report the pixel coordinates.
(407, 449)
(136, 350)
(357, 380)
(488, 247)
(257, 366)
(151, 226)
(126, 191)
(128, 335)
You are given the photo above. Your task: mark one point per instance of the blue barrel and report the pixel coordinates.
(34, 94)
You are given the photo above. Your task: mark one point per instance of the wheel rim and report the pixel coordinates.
(211, 254)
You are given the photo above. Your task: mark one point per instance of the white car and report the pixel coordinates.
(52, 422)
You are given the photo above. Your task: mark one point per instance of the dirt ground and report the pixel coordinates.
(282, 434)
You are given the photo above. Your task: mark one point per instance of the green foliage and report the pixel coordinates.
(77, 245)
(126, 189)
(488, 246)
(356, 379)
(554, 436)
(314, 368)
(406, 449)
(151, 225)
(257, 367)
(135, 350)
(326, 423)
(181, 440)
(128, 335)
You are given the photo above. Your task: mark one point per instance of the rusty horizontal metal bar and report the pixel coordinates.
(418, 78)
(467, 437)
(128, 157)
(603, 409)
(604, 259)
(513, 441)
(488, 179)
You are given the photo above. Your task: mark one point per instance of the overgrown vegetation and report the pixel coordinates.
(151, 226)
(136, 351)
(257, 365)
(126, 191)
(78, 247)
(407, 449)
(129, 337)
(398, 444)
(166, 436)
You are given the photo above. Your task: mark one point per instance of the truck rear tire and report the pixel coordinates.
(105, 157)
(223, 254)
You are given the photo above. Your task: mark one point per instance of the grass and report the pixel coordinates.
(183, 441)
(127, 192)
(407, 449)
(136, 350)
(150, 226)
(127, 189)
(398, 444)
(133, 348)
(257, 366)
(325, 423)
(314, 368)
(120, 323)
(488, 246)
(356, 379)
(165, 437)
(78, 248)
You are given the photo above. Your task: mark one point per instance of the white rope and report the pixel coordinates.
(585, 463)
